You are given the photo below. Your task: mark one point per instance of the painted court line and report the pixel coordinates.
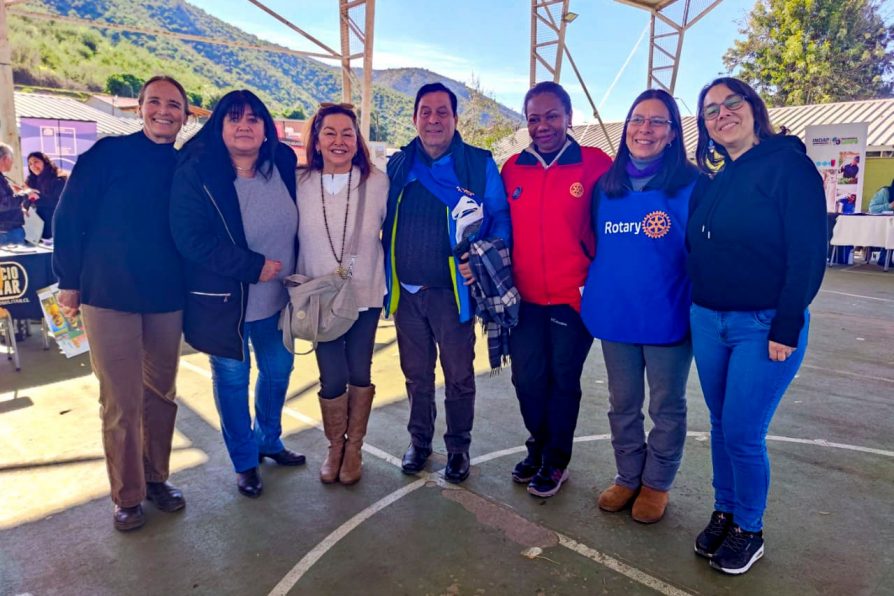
(288, 582)
(620, 567)
(856, 295)
(307, 561)
(847, 373)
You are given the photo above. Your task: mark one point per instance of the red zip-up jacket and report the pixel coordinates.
(552, 237)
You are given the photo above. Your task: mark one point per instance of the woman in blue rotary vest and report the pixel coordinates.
(636, 300)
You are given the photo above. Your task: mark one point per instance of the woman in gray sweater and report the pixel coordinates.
(339, 180)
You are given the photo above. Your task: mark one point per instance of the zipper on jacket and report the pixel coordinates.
(224, 295)
(543, 236)
(241, 291)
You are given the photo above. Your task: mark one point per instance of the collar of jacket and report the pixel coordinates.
(569, 155)
(408, 153)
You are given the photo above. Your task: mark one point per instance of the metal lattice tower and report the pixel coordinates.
(357, 42)
(548, 21)
(670, 19)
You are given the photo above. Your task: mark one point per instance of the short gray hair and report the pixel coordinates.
(5, 150)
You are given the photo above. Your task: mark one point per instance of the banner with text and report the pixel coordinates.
(839, 153)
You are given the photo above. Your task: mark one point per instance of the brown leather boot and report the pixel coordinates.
(359, 406)
(335, 425)
(649, 505)
(616, 497)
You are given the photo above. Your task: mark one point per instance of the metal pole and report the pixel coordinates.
(366, 93)
(346, 91)
(8, 132)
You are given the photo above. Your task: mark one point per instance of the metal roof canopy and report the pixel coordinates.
(879, 113)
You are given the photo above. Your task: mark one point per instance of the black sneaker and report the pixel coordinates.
(525, 470)
(714, 534)
(739, 551)
(547, 481)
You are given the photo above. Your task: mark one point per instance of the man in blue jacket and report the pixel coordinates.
(442, 191)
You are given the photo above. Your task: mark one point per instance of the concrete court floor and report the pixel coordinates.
(829, 527)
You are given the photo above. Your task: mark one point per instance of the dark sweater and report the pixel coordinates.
(112, 233)
(421, 242)
(11, 216)
(757, 235)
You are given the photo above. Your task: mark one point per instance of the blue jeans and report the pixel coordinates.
(742, 389)
(13, 236)
(230, 380)
(655, 462)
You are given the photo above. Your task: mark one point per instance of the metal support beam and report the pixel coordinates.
(349, 13)
(666, 38)
(8, 130)
(547, 38)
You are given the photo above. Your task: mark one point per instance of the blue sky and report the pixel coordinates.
(489, 39)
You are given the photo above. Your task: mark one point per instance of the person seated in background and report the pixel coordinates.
(12, 216)
(883, 200)
(47, 180)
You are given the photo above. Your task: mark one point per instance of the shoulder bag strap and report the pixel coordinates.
(358, 223)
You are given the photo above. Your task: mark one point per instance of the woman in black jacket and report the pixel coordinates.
(757, 246)
(46, 178)
(116, 261)
(234, 220)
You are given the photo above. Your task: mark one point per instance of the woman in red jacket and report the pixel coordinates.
(549, 185)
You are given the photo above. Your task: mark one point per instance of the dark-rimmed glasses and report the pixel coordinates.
(733, 103)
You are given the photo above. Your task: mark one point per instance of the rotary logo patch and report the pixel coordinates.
(576, 190)
(656, 224)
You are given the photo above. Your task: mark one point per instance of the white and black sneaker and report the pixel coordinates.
(739, 551)
(710, 539)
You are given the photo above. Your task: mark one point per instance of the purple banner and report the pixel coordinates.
(62, 140)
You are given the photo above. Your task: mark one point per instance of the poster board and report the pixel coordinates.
(839, 153)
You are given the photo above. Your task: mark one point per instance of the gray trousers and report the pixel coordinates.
(428, 326)
(653, 462)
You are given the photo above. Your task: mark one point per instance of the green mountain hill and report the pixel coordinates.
(70, 56)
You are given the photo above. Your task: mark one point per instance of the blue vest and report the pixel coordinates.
(637, 290)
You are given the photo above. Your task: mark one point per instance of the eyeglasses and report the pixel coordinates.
(656, 122)
(330, 104)
(733, 103)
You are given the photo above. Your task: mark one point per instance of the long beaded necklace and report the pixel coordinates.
(339, 258)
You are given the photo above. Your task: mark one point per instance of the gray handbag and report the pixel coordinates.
(323, 308)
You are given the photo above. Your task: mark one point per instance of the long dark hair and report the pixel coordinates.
(49, 173)
(233, 105)
(314, 158)
(614, 182)
(708, 160)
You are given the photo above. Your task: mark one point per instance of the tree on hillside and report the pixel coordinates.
(814, 51)
(124, 84)
(480, 121)
(296, 113)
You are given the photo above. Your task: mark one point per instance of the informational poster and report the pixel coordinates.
(839, 153)
(61, 140)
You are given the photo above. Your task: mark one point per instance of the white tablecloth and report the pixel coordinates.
(864, 230)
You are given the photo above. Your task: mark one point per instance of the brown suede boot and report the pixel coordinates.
(335, 425)
(359, 406)
(616, 497)
(649, 505)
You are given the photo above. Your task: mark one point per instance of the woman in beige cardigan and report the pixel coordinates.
(338, 175)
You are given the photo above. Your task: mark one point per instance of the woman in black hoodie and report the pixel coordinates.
(757, 245)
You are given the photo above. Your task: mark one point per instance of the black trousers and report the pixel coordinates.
(348, 359)
(428, 326)
(548, 349)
